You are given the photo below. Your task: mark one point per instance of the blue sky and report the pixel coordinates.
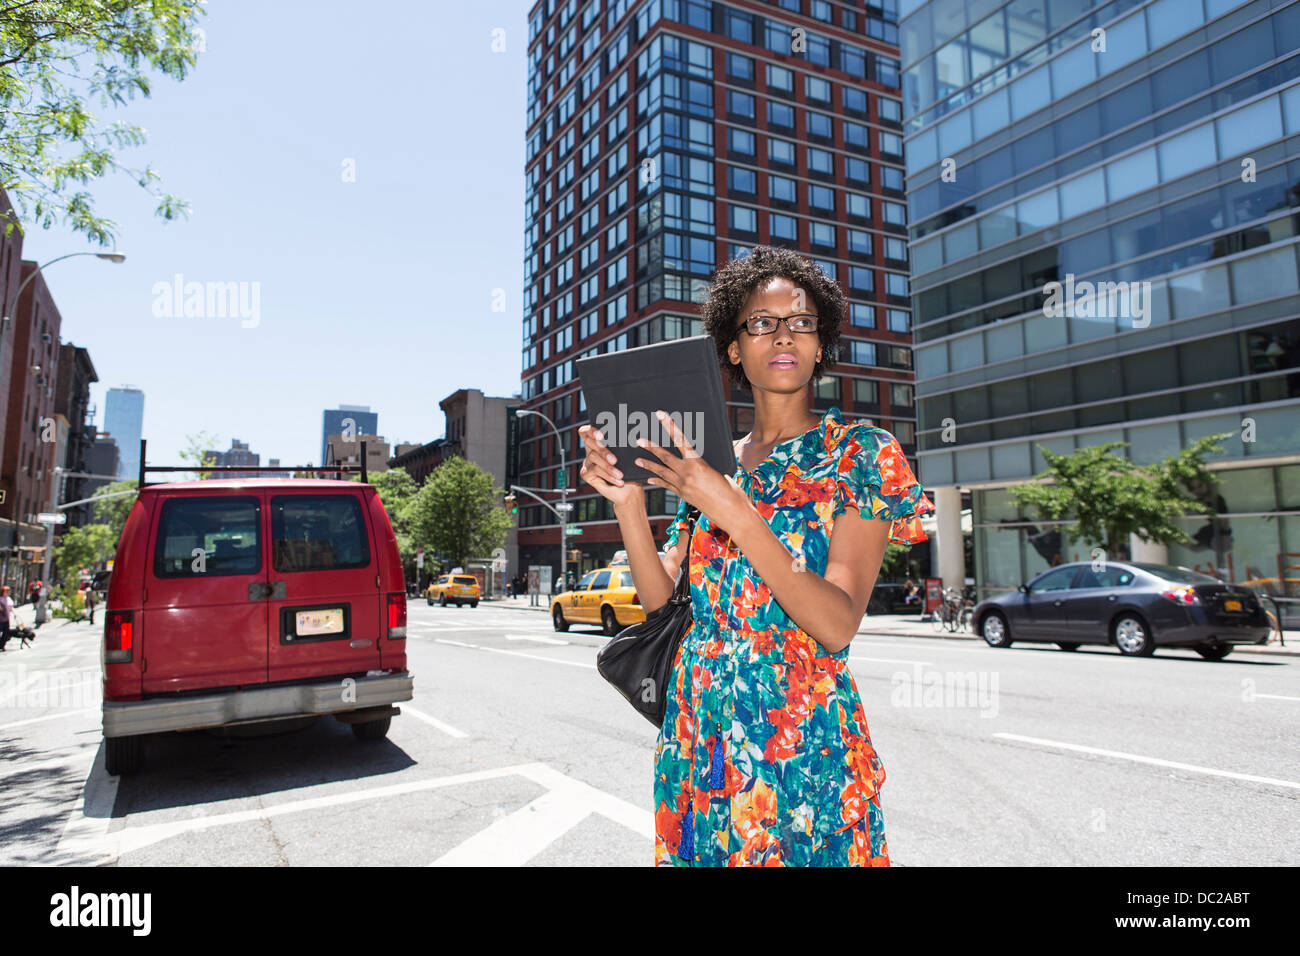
(375, 292)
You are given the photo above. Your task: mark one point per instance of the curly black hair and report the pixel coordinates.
(733, 283)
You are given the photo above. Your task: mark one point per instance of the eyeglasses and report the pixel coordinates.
(767, 324)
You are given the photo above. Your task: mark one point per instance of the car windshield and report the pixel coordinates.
(1168, 572)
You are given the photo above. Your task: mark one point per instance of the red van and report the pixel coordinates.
(239, 601)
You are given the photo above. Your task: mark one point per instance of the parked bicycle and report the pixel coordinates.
(954, 614)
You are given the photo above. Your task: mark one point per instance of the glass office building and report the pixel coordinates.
(1154, 146)
(664, 138)
(124, 420)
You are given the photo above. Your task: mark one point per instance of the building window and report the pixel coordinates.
(780, 188)
(817, 89)
(821, 198)
(783, 227)
(821, 234)
(855, 135)
(780, 151)
(778, 77)
(865, 392)
(861, 279)
(819, 161)
(900, 395)
(819, 124)
(741, 180)
(739, 27)
(891, 143)
(857, 171)
(740, 141)
(898, 319)
(858, 205)
(862, 315)
(862, 353)
(780, 114)
(859, 242)
(740, 104)
(743, 219)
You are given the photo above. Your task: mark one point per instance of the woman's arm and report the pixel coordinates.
(829, 607)
(654, 579)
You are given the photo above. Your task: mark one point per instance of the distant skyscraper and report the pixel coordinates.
(335, 422)
(124, 420)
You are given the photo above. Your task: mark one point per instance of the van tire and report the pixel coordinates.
(473, 603)
(373, 729)
(123, 755)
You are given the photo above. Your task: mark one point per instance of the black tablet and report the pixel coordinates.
(624, 389)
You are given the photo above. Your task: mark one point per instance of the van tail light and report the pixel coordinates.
(397, 616)
(1181, 595)
(119, 628)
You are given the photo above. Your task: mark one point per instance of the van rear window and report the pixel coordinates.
(318, 533)
(208, 536)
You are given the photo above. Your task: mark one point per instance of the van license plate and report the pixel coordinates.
(1232, 605)
(321, 621)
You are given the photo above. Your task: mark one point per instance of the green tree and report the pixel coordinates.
(113, 511)
(59, 59)
(397, 490)
(894, 562)
(456, 512)
(196, 453)
(1112, 498)
(88, 546)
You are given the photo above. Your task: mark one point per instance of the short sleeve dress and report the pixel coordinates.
(764, 757)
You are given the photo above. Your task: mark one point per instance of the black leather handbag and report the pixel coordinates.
(638, 660)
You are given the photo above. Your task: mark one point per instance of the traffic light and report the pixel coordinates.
(510, 502)
(574, 556)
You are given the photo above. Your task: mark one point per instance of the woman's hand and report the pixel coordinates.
(690, 478)
(599, 470)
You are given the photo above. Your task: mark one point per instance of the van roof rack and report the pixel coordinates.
(338, 471)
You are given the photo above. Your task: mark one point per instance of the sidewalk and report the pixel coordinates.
(911, 625)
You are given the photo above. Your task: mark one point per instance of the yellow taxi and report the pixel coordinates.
(454, 589)
(605, 596)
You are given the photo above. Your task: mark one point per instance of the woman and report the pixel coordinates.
(6, 616)
(764, 757)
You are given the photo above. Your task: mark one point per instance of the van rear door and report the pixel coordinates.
(204, 612)
(325, 607)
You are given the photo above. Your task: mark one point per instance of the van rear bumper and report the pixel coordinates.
(130, 718)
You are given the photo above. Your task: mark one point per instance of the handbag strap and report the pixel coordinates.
(682, 587)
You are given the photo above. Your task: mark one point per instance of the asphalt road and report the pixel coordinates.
(515, 752)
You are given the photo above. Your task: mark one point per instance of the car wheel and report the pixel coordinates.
(1131, 636)
(473, 603)
(557, 618)
(429, 601)
(994, 630)
(123, 755)
(373, 729)
(1067, 645)
(442, 600)
(1214, 652)
(608, 619)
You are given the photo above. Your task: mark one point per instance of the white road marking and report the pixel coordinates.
(40, 674)
(446, 728)
(539, 638)
(68, 713)
(81, 841)
(516, 838)
(1155, 761)
(87, 840)
(1277, 697)
(502, 650)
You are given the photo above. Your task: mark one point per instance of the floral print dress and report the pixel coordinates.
(764, 758)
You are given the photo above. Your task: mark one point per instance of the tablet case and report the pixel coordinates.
(622, 391)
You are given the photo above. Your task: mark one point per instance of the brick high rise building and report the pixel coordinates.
(666, 137)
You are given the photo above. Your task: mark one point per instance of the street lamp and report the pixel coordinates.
(106, 256)
(564, 491)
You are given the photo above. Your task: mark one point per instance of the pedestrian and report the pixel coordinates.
(90, 603)
(764, 756)
(6, 616)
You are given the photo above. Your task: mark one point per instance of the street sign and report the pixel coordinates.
(560, 477)
(46, 518)
(419, 558)
(573, 529)
(564, 506)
